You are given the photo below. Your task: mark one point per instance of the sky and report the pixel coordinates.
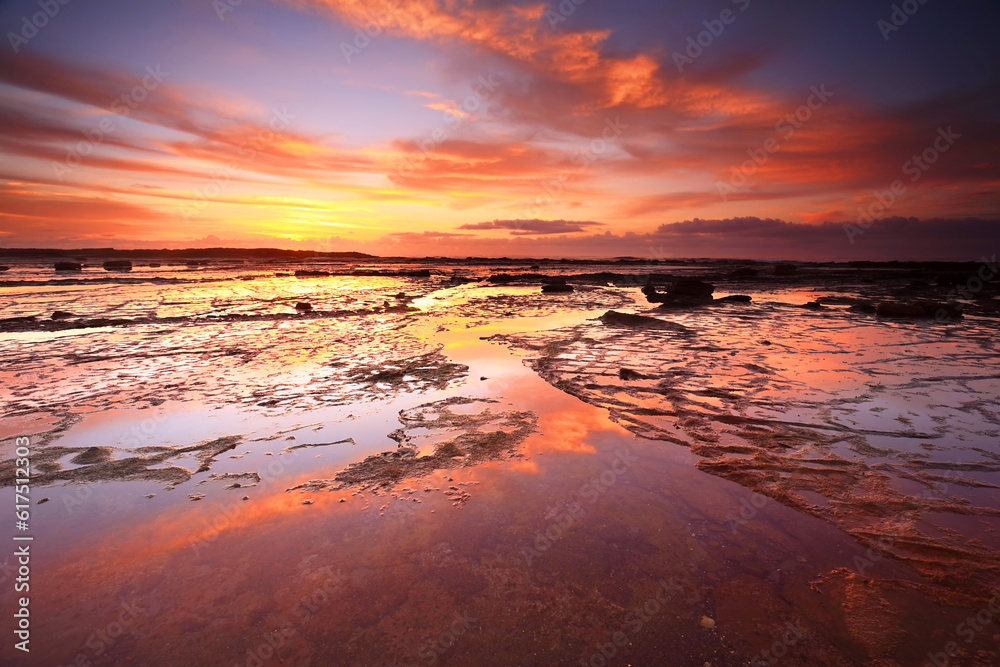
(844, 130)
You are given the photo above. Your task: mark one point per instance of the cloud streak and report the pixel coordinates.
(532, 227)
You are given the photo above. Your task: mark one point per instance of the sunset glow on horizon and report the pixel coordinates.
(457, 128)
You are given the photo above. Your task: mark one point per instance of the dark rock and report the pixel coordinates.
(628, 374)
(951, 279)
(863, 307)
(745, 272)
(68, 266)
(900, 310)
(61, 315)
(282, 275)
(652, 295)
(154, 265)
(118, 265)
(920, 309)
(765, 342)
(813, 305)
(24, 319)
(4, 268)
(691, 287)
(556, 287)
(785, 269)
(303, 307)
(311, 274)
(679, 301)
(613, 318)
(503, 278)
(736, 298)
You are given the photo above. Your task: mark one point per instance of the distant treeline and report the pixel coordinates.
(183, 253)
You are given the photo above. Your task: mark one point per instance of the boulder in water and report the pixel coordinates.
(691, 287)
(68, 266)
(118, 265)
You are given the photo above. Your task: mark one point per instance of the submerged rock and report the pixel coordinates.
(691, 287)
(472, 437)
(118, 265)
(736, 298)
(652, 295)
(61, 315)
(684, 293)
(628, 374)
(919, 309)
(303, 307)
(68, 266)
(556, 287)
(863, 307)
(679, 301)
(311, 274)
(613, 318)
